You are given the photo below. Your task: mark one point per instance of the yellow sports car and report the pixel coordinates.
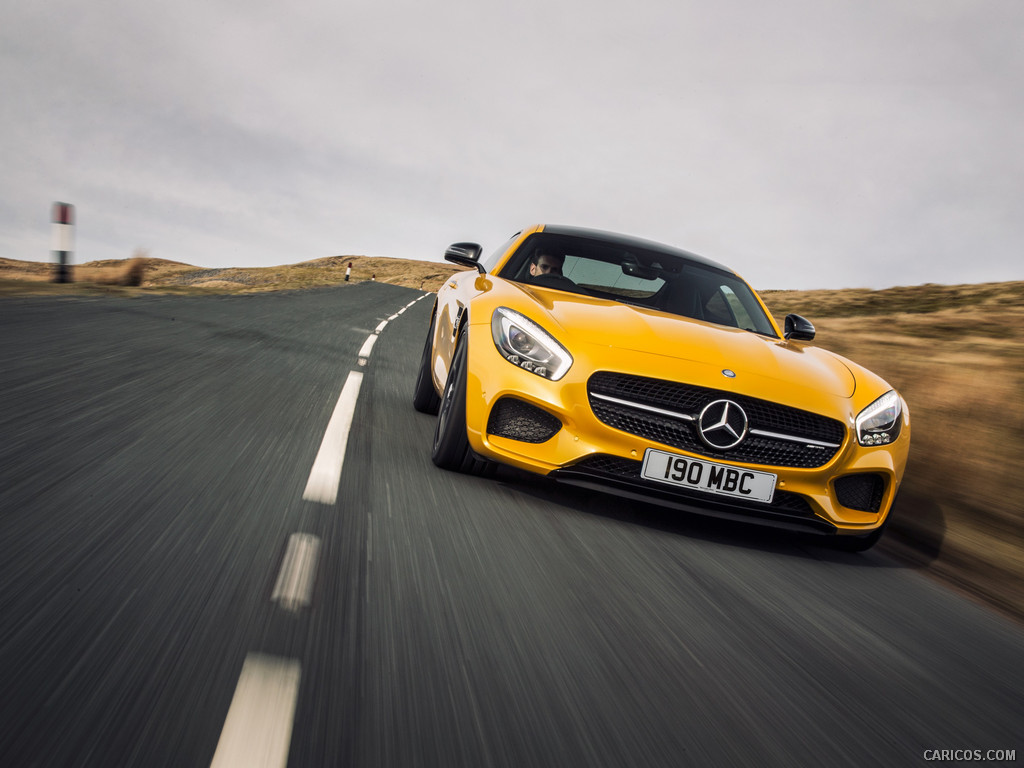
(643, 370)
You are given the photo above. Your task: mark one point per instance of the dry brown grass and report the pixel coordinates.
(109, 276)
(162, 276)
(955, 352)
(130, 273)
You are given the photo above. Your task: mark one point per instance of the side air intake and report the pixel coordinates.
(519, 420)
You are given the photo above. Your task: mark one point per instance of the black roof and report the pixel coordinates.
(632, 242)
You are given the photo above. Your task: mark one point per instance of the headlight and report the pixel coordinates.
(880, 422)
(524, 343)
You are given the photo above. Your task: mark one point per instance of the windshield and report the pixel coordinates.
(658, 280)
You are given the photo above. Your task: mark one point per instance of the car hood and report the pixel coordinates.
(696, 344)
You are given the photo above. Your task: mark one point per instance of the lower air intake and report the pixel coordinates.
(861, 492)
(519, 420)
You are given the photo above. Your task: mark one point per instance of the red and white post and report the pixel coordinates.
(63, 241)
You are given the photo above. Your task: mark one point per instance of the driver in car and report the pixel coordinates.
(543, 263)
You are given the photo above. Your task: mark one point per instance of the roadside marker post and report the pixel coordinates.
(63, 241)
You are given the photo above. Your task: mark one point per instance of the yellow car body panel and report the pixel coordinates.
(605, 335)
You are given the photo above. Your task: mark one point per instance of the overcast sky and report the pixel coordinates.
(806, 144)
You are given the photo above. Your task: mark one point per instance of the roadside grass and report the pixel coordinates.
(959, 363)
(45, 288)
(162, 276)
(917, 299)
(956, 353)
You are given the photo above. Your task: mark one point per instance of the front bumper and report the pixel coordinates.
(622, 478)
(572, 445)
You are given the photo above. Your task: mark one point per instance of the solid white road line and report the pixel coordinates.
(325, 475)
(295, 581)
(367, 348)
(258, 729)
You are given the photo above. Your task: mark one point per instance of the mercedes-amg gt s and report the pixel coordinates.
(646, 371)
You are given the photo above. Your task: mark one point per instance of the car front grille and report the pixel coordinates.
(666, 412)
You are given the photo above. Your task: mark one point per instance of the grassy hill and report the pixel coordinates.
(955, 353)
(162, 276)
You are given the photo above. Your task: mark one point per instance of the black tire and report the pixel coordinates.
(451, 446)
(424, 396)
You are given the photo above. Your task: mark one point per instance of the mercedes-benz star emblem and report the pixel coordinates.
(722, 424)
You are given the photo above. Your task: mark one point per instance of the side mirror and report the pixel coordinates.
(465, 255)
(799, 328)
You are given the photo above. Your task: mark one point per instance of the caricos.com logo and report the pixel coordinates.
(964, 755)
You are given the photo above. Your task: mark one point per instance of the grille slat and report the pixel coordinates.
(690, 400)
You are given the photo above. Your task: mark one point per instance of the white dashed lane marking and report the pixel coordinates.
(295, 581)
(325, 475)
(367, 348)
(258, 729)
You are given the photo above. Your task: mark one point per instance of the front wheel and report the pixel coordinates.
(424, 397)
(451, 446)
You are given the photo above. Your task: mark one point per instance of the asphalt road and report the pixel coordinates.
(154, 455)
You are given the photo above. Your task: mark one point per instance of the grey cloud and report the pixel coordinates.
(805, 144)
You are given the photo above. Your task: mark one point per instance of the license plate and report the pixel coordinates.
(707, 476)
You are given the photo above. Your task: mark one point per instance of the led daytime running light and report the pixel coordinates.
(880, 422)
